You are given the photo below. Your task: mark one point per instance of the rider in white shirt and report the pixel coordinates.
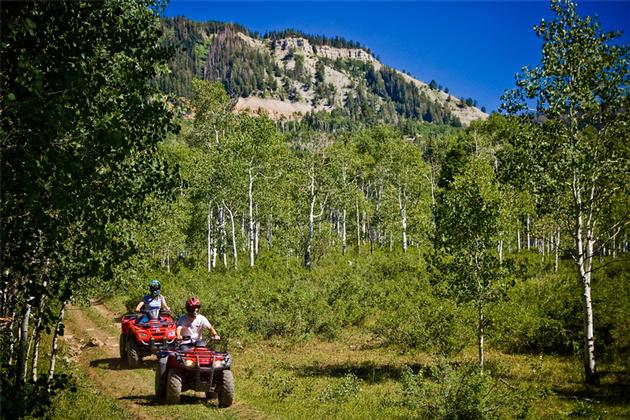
(192, 324)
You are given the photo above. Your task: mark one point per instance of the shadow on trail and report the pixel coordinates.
(369, 372)
(114, 363)
(614, 389)
(152, 400)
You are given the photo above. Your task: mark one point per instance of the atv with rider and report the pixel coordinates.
(144, 334)
(194, 366)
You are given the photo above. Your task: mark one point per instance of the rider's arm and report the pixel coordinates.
(213, 332)
(179, 332)
(164, 305)
(139, 306)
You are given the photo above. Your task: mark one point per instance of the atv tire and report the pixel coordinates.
(133, 355)
(121, 347)
(160, 386)
(225, 389)
(173, 387)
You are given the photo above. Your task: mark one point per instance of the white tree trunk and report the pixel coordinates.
(250, 196)
(528, 234)
(269, 232)
(209, 237)
(311, 219)
(480, 336)
(11, 329)
(557, 248)
(22, 355)
(214, 252)
(234, 250)
(432, 186)
(403, 218)
(343, 232)
(358, 227)
(35, 358)
(584, 247)
(53, 351)
(223, 247)
(257, 237)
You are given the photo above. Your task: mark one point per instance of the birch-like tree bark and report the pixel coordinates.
(209, 238)
(223, 246)
(250, 197)
(358, 226)
(556, 249)
(37, 335)
(308, 262)
(234, 250)
(21, 361)
(584, 241)
(403, 217)
(343, 232)
(55, 339)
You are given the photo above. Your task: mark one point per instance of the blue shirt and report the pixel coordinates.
(151, 302)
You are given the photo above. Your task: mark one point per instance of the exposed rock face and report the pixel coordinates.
(303, 46)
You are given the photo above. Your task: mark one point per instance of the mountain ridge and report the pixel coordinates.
(290, 75)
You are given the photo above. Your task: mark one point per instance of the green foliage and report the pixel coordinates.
(190, 41)
(41, 394)
(585, 409)
(80, 131)
(281, 386)
(242, 69)
(449, 391)
(83, 401)
(349, 387)
(430, 323)
(552, 326)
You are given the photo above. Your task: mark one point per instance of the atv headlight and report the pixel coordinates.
(219, 363)
(170, 334)
(189, 363)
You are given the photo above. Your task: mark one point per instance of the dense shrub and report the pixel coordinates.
(413, 318)
(542, 314)
(450, 391)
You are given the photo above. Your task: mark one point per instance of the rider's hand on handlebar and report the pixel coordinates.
(216, 337)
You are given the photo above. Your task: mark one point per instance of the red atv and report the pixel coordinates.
(194, 366)
(139, 339)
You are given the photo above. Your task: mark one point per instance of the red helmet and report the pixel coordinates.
(192, 305)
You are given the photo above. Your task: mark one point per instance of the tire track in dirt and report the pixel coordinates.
(92, 341)
(99, 359)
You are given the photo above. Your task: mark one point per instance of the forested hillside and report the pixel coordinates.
(290, 74)
(361, 262)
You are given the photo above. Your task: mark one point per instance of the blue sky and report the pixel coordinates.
(472, 47)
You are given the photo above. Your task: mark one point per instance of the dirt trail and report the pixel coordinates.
(91, 341)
